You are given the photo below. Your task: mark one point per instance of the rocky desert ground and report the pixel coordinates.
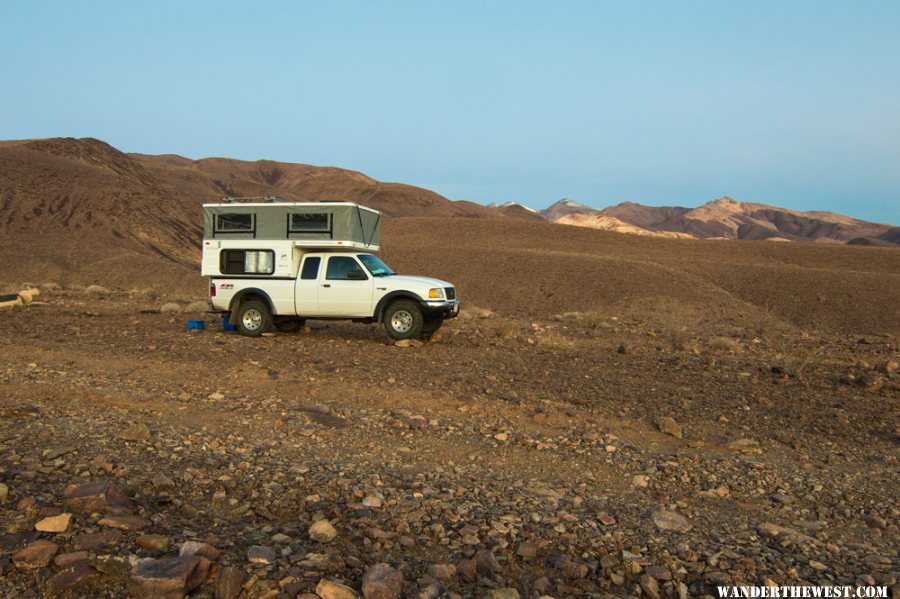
(582, 454)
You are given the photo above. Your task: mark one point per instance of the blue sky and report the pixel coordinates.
(790, 103)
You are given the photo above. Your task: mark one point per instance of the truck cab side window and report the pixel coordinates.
(339, 266)
(310, 268)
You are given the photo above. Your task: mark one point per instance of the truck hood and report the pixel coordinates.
(409, 281)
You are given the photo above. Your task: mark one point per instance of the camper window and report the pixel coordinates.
(247, 262)
(234, 223)
(311, 223)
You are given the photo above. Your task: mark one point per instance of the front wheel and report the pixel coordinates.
(253, 318)
(403, 320)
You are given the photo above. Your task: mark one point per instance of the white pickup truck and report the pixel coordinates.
(337, 285)
(277, 264)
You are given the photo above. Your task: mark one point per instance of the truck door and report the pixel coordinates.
(345, 288)
(306, 293)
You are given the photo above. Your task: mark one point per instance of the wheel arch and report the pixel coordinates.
(248, 294)
(384, 302)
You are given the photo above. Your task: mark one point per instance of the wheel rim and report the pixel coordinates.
(402, 321)
(252, 319)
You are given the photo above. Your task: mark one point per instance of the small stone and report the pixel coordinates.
(327, 589)
(659, 573)
(168, 578)
(527, 550)
(640, 481)
(216, 396)
(153, 543)
(162, 482)
(229, 582)
(649, 586)
(575, 570)
(372, 501)
(136, 432)
(261, 555)
(125, 522)
(35, 555)
(669, 426)
(486, 563)
(58, 523)
(605, 519)
(774, 531)
(64, 560)
(506, 593)
(403, 343)
(467, 570)
(4, 493)
(70, 578)
(443, 572)
(431, 591)
(96, 497)
(381, 581)
(322, 531)
(669, 520)
(202, 549)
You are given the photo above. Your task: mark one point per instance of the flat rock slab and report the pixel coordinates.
(783, 533)
(35, 555)
(329, 420)
(96, 497)
(12, 542)
(71, 578)
(229, 581)
(58, 523)
(669, 520)
(327, 589)
(169, 578)
(97, 540)
(125, 522)
(381, 581)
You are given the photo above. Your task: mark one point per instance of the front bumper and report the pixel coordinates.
(441, 309)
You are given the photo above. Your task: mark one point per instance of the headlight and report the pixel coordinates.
(436, 293)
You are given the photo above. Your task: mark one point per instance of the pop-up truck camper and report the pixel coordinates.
(276, 264)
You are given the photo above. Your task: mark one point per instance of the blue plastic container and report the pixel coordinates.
(226, 324)
(195, 325)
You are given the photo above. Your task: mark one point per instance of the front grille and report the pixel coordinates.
(450, 292)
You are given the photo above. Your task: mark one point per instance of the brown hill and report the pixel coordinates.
(81, 206)
(727, 218)
(530, 269)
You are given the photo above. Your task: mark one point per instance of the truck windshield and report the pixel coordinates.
(375, 266)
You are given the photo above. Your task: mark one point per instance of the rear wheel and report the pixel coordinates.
(431, 326)
(403, 320)
(253, 318)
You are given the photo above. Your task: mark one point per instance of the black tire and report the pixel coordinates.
(253, 318)
(403, 320)
(431, 327)
(289, 326)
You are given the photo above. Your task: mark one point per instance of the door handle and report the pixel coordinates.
(326, 285)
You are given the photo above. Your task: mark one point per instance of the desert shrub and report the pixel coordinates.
(724, 344)
(170, 308)
(474, 313)
(96, 291)
(197, 306)
(555, 342)
(146, 292)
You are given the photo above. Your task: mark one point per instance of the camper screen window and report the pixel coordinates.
(310, 223)
(234, 223)
(248, 262)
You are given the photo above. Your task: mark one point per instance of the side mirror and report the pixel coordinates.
(357, 275)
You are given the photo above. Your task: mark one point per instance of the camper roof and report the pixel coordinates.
(275, 202)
